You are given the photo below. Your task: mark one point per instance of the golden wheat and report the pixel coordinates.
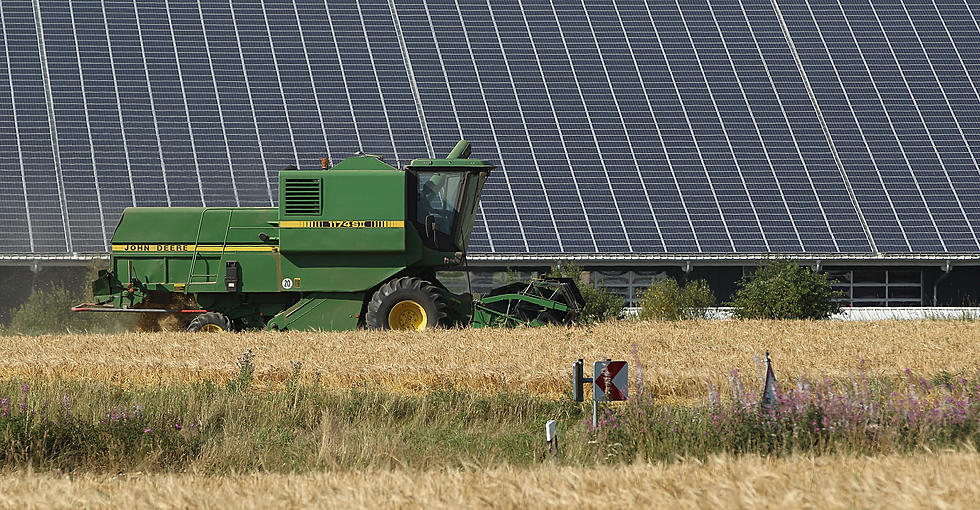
(923, 480)
(678, 358)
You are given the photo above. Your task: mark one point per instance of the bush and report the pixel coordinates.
(48, 311)
(600, 304)
(666, 300)
(784, 290)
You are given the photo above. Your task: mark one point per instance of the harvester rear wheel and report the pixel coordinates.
(210, 322)
(405, 303)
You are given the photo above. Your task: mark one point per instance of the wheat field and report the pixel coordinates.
(923, 480)
(678, 358)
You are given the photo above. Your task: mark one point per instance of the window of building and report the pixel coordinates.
(628, 284)
(879, 287)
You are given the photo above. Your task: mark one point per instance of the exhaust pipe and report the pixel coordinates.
(460, 151)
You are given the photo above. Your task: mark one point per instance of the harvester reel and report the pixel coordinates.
(405, 303)
(210, 322)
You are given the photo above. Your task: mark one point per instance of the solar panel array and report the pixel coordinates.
(645, 126)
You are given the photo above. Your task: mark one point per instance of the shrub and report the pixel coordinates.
(48, 310)
(600, 304)
(666, 300)
(784, 290)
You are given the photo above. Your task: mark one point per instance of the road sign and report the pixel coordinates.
(609, 380)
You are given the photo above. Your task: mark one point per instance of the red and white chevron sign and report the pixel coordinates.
(610, 381)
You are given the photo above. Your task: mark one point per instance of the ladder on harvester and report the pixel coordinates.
(209, 278)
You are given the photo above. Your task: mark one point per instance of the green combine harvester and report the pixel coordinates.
(356, 245)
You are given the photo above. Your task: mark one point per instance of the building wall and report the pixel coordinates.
(862, 285)
(961, 287)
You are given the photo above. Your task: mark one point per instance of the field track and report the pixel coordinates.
(918, 481)
(678, 358)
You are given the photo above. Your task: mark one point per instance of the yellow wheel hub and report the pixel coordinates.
(407, 315)
(211, 328)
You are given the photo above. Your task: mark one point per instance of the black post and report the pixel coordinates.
(578, 380)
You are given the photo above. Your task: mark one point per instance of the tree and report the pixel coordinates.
(784, 290)
(600, 304)
(666, 300)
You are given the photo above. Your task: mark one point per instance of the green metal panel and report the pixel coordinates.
(260, 271)
(359, 211)
(173, 225)
(321, 311)
(185, 248)
(366, 162)
(164, 271)
(157, 225)
(338, 272)
(454, 164)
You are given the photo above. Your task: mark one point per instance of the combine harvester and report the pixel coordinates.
(357, 245)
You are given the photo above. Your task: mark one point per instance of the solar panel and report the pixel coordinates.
(13, 178)
(126, 129)
(714, 126)
(888, 114)
(43, 181)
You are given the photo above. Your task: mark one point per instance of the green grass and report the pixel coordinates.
(232, 426)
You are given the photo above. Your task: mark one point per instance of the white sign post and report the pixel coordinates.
(551, 436)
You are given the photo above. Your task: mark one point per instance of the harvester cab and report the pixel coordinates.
(355, 245)
(446, 197)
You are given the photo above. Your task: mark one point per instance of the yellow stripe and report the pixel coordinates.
(186, 248)
(342, 224)
(236, 248)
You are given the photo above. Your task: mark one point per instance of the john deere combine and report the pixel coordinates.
(356, 245)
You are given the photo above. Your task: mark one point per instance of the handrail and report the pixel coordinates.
(197, 240)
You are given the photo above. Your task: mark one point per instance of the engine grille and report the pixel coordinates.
(303, 197)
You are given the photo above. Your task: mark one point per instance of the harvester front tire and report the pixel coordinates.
(405, 303)
(210, 322)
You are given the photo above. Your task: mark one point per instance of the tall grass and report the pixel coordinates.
(856, 415)
(232, 427)
(297, 426)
